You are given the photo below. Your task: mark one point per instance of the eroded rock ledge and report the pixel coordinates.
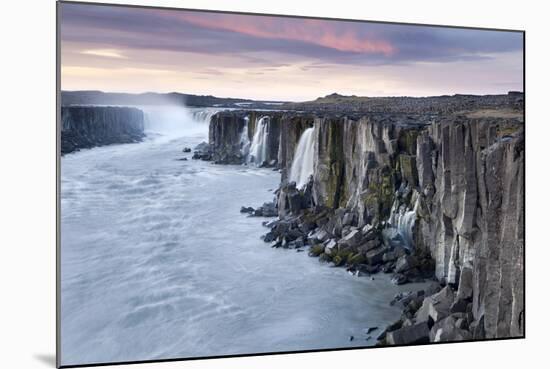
(89, 126)
(421, 196)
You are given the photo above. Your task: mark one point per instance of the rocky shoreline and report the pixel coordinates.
(426, 196)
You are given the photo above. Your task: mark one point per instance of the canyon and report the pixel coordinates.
(413, 206)
(432, 193)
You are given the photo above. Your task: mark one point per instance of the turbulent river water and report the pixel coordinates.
(157, 262)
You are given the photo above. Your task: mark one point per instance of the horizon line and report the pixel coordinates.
(289, 101)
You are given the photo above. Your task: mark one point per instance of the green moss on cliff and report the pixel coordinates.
(378, 198)
(407, 141)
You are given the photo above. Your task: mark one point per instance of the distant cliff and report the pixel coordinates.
(416, 195)
(152, 98)
(89, 126)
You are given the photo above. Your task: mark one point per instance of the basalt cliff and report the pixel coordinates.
(89, 126)
(433, 193)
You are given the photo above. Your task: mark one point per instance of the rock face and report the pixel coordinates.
(89, 126)
(231, 134)
(460, 180)
(417, 195)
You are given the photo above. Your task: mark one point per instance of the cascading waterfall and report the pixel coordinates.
(245, 141)
(302, 163)
(403, 221)
(176, 121)
(258, 147)
(204, 115)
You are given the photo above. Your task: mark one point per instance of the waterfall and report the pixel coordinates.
(204, 115)
(258, 148)
(403, 221)
(245, 141)
(302, 163)
(176, 121)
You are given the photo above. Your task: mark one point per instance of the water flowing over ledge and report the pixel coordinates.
(258, 147)
(302, 164)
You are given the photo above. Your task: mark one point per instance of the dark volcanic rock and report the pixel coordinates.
(90, 126)
(247, 210)
(414, 334)
(202, 151)
(425, 188)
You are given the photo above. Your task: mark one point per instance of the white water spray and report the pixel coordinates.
(302, 164)
(176, 121)
(403, 221)
(258, 148)
(245, 141)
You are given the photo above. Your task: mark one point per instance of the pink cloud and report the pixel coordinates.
(338, 36)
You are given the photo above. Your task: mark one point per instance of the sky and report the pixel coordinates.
(128, 49)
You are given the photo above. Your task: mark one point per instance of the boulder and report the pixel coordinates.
(388, 267)
(324, 258)
(399, 279)
(368, 269)
(436, 307)
(375, 256)
(269, 237)
(203, 146)
(405, 263)
(447, 331)
(393, 254)
(319, 235)
(316, 250)
(247, 209)
(331, 247)
(355, 259)
(353, 238)
(369, 245)
(407, 335)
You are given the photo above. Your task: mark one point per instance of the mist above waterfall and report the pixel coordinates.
(258, 147)
(302, 164)
(171, 121)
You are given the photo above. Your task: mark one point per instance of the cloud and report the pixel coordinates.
(343, 42)
(316, 32)
(107, 53)
(139, 49)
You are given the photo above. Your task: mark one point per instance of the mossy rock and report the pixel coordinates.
(316, 250)
(356, 259)
(338, 260)
(324, 258)
(343, 254)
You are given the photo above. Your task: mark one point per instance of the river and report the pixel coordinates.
(157, 262)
